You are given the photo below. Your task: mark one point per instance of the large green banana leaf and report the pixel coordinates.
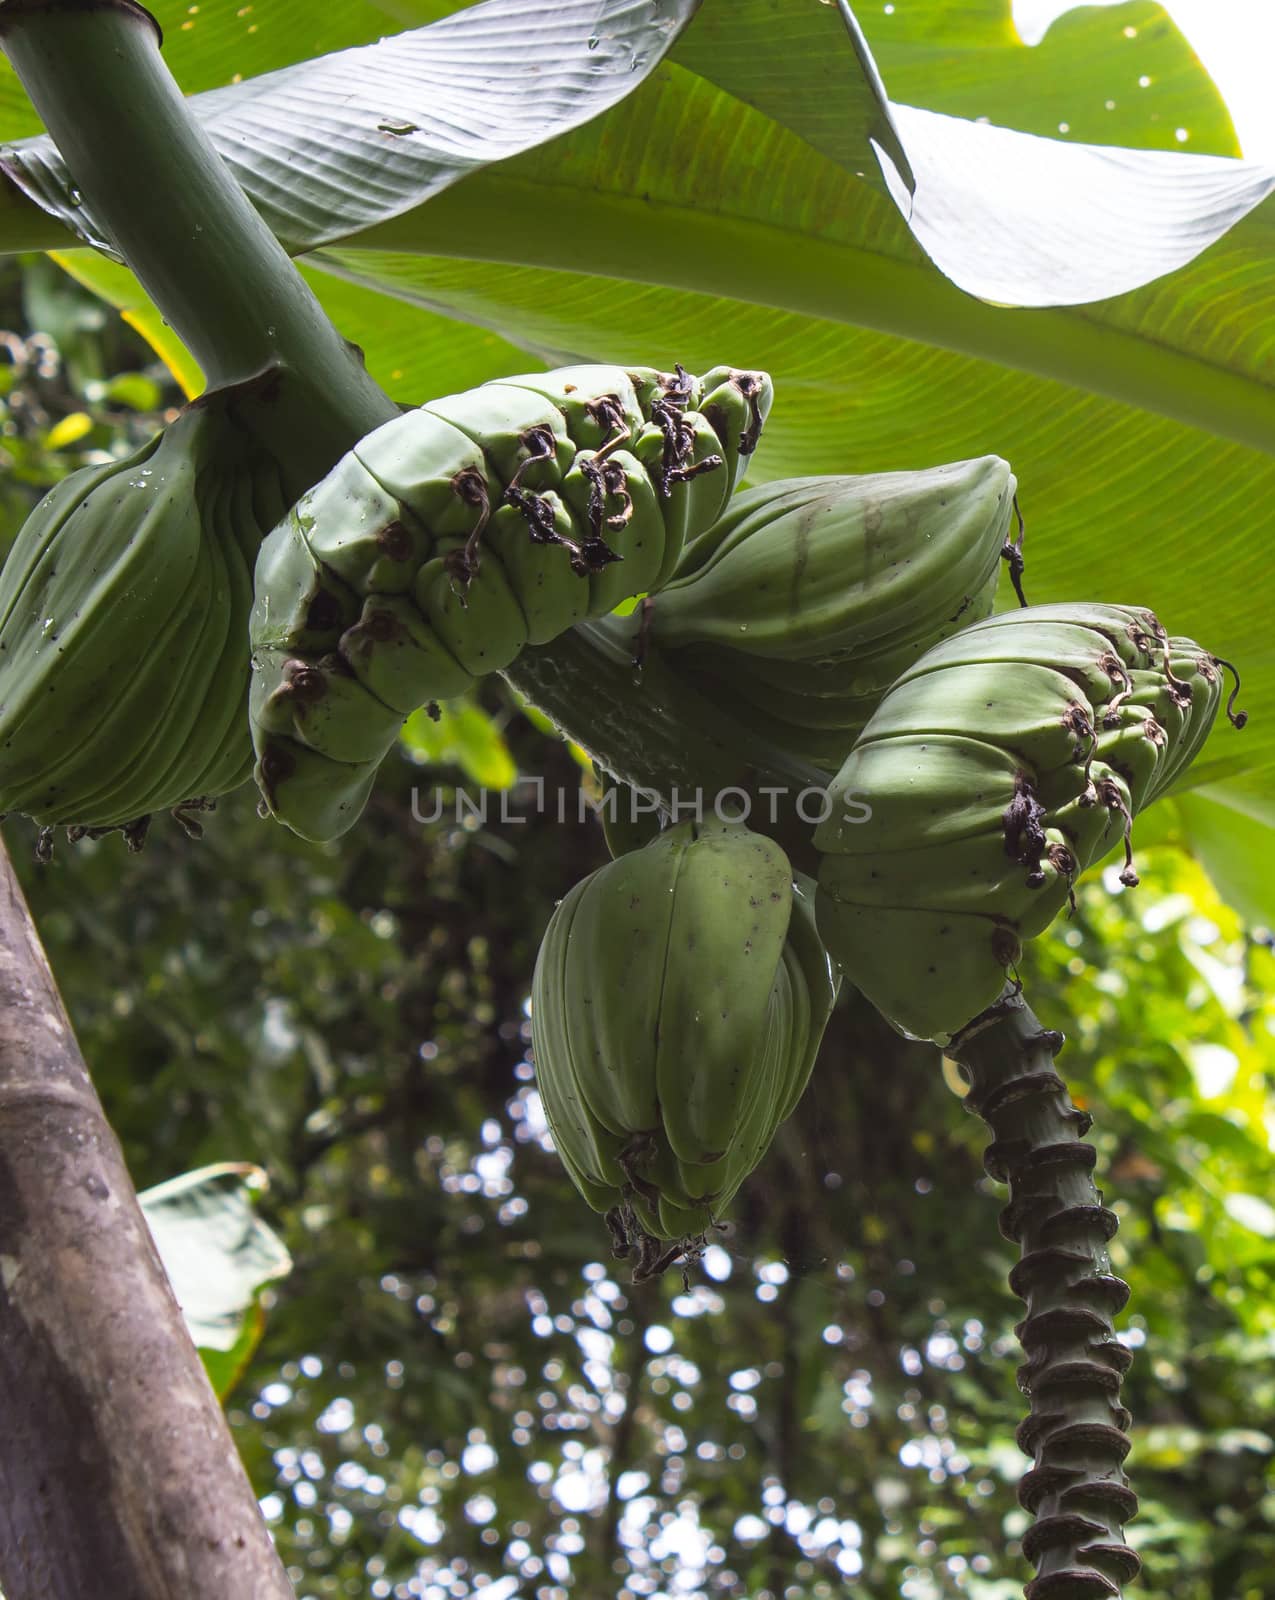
(218, 1255)
(337, 142)
(733, 207)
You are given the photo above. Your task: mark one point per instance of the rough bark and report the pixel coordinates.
(1077, 1429)
(118, 1476)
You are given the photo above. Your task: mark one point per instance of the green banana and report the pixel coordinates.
(823, 566)
(1080, 640)
(254, 501)
(213, 678)
(1137, 750)
(627, 917)
(550, 596)
(123, 621)
(735, 405)
(943, 787)
(730, 916)
(1033, 708)
(480, 621)
(503, 419)
(588, 1152)
(322, 705)
(806, 986)
(1068, 647)
(946, 954)
(679, 998)
(645, 535)
(994, 771)
(328, 795)
(391, 647)
(798, 608)
(298, 603)
(355, 530)
(815, 982)
(455, 535)
(432, 472)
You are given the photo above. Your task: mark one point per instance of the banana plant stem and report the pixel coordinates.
(1077, 1429)
(94, 72)
(646, 727)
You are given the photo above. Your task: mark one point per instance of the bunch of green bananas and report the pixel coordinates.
(993, 772)
(797, 610)
(679, 998)
(455, 535)
(123, 630)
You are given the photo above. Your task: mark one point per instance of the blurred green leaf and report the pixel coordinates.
(135, 390)
(69, 430)
(1233, 840)
(226, 1367)
(463, 735)
(118, 287)
(1253, 1213)
(217, 1252)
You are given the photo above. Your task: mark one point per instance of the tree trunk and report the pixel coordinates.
(118, 1476)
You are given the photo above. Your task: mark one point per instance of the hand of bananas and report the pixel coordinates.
(124, 609)
(801, 605)
(451, 537)
(455, 535)
(994, 771)
(679, 999)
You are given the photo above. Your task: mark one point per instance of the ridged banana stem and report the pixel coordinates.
(648, 728)
(145, 166)
(1077, 1429)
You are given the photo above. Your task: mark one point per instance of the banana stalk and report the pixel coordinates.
(645, 726)
(1077, 1429)
(178, 218)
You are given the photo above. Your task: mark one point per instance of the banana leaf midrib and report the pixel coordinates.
(689, 242)
(496, 218)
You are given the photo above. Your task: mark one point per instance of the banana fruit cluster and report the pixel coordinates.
(455, 535)
(124, 608)
(801, 606)
(993, 772)
(679, 998)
